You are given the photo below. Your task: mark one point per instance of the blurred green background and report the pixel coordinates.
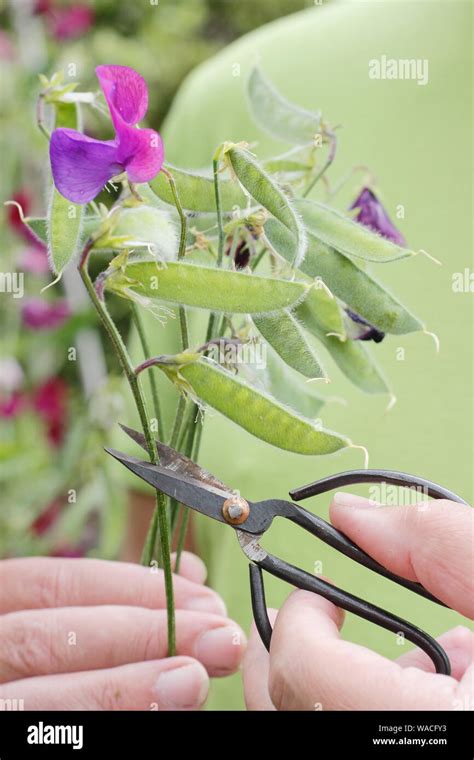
(417, 140)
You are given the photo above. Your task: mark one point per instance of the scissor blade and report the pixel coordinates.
(176, 461)
(203, 498)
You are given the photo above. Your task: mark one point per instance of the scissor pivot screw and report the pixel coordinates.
(235, 510)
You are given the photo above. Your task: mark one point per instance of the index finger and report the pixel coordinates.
(36, 582)
(432, 543)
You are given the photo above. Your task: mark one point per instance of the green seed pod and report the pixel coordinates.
(257, 412)
(355, 287)
(283, 332)
(266, 192)
(205, 287)
(287, 386)
(346, 236)
(276, 115)
(142, 227)
(196, 191)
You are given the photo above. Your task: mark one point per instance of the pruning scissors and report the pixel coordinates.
(182, 479)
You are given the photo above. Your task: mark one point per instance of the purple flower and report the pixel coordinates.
(38, 314)
(82, 165)
(372, 214)
(360, 329)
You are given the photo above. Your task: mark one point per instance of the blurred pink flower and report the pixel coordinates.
(47, 518)
(50, 401)
(11, 405)
(34, 259)
(7, 49)
(65, 23)
(70, 23)
(68, 550)
(38, 314)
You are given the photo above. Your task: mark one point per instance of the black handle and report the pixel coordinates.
(333, 537)
(351, 477)
(337, 596)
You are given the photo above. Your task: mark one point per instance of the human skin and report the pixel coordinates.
(311, 667)
(86, 634)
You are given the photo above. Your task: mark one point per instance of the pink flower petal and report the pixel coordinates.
(141, 153)
(38, 314)
(70, 23)
(81, 165)
(126, 93)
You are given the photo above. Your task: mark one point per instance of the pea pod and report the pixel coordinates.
(353, 359)
(319, 305)
(347, 281)
(257, 412)
(196, 191)
(205, 287)
(346, 236)
(276, 115)
(283, 332)
(287, 386)
(64, 217)
(266, 192)
(39, 226)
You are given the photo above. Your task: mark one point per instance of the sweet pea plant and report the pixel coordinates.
(242, 242)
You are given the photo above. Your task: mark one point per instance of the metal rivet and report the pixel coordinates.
(235, 510)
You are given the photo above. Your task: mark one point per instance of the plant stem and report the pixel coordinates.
(330, 158)
(178, 421)
(221, 240)
(159, 520)
(152, 377)
(181, 536)
(181, 251)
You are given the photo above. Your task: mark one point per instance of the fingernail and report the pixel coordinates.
(342, 499)
(206, 603)
(182, 688)
(220, 648)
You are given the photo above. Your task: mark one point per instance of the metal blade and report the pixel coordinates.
(178, 462)
(201, 497)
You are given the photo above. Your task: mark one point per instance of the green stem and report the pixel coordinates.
(185, 511)
(330, 158)
(178, 421)
(159, 520)
(152, 377)
(221, 239)
(181, 252)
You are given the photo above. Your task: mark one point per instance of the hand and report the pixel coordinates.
(86, 634)
(311, 667)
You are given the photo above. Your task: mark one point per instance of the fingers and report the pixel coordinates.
(256, 669)
(312, 668)
(36, 582)
(191, 567)
(177, 683)
(432, 543)
(71, 639)
(458, 645)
